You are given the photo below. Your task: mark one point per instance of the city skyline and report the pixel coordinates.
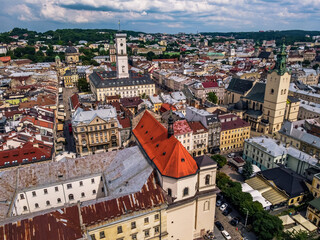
(162, 16)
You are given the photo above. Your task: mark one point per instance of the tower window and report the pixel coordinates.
(169, 192)
(272, 91)
(207, 181)
(185, 191)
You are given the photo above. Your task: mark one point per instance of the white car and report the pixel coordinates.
(223, 206)
(219, 202)
(226, 234)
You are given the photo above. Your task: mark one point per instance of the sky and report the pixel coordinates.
(167, 16)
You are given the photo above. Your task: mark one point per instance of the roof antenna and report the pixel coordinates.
(119, 25)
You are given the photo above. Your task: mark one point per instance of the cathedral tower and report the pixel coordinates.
(276, 93)
(122, 58)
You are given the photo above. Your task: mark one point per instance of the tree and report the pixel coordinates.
(315, 67)
(266, 226)
(221, 160)
(83, 85)
(300, 235)
(212, 97)
(247, 170)
(150, 56)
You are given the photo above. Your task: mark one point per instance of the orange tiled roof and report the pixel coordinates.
(168, 154)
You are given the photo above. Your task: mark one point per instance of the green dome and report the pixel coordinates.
(57, 57)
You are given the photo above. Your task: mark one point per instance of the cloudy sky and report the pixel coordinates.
(169, 16)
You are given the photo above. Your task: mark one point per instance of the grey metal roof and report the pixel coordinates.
(240, 85)
(257, 92)
(109, 79)
(86, 117)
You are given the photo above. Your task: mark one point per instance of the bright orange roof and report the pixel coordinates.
(168, 154)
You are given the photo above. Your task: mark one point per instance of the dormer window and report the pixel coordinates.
(185, 191)
(182, 160)
(164, 153)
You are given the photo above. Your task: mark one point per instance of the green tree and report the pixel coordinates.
(300, 235)
(221, 160)
(315, 67)
(212, 97)
(83, 85)
(150, 56)
(305, 63)
(266, 226)
(247, 170)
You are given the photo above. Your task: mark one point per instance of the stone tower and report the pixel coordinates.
(122, 58)
(276, 93)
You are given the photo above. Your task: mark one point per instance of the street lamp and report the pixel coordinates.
(245, 223)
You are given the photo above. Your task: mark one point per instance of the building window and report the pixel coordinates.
(170, 192)
(102, 235)
(48, 203)
(69, 186)
(186, 191)
(146, 220)
(207, 181)
(36, 205)
(21, 196)
(59, 200)
(206, 206)
(45, 191)
(56, 189)
(92, 180)
(81, 183)
(93, 237)
(25, 208)
(133, 225)
(71, 197)
(134, 236)
(82, 194)
(147, 233)
(156, 230)
(119, 229)
(156, 217)
(34, 194)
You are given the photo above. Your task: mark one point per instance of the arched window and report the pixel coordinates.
(36, 205)
(281, 91)
(272, 91)
(71, 197)
(285, 91)
(207, 182)
(170, 192)
(206, 206)
(48, 203)
(25, 208)
(185, 191)
(59, 200)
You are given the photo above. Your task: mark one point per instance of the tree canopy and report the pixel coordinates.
(221, 160)
(247, 170)
(212, 97)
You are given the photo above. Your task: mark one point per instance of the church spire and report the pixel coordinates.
(280, 66)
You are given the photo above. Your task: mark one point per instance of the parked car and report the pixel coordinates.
(219, 203)
(235, 221)
(219, 225)
(226, 234)
(227, 211)
(223, 206)
(230, 155)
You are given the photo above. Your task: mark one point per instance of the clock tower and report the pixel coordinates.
(122, 58)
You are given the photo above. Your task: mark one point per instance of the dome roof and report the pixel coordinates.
(57, 57)
(71, 49)
(241, 105)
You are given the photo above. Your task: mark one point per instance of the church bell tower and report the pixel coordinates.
(276, 93)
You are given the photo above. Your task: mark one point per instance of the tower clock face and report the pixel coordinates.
(121, 44)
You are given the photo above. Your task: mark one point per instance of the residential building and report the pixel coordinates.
(313, 211)
(269, 153)
(72, 55)
(234, 131)
(96, 130)
(183, 133)
(280, 186)
(209, 121)
(156, 102)
(199, 139)
(70, 78)
(315, 186)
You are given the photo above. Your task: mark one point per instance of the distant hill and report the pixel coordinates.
(62, 36)
(288, 36)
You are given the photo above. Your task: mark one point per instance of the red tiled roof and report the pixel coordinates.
(151, 195)
(168, 154)
(5, 59)
(61, 224)
(37, 123)
(232, 124)
(131, 101)
(26, 151)
(181, 127)
(210, 84)
(75, 101)
(197, 127)
(125, 122)
(166, 107)
(165, 60)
